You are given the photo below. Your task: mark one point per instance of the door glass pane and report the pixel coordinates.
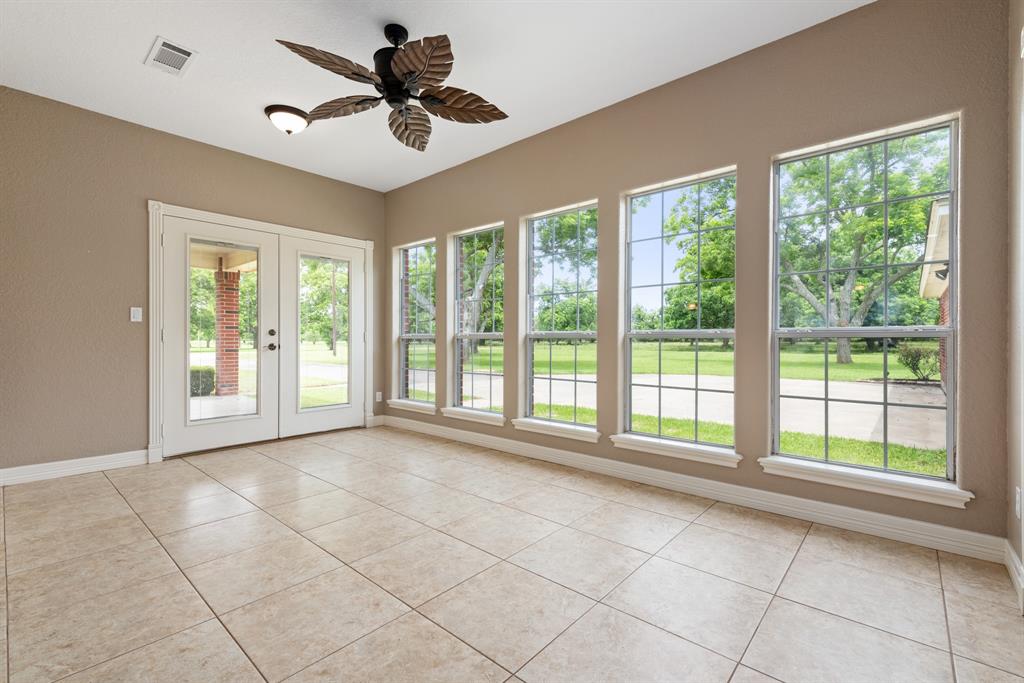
(223, 319)
(323, 332)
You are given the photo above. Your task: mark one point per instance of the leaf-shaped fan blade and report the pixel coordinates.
(425, 62)
(343, 106)
(460, 105)
(411, 126)
(334, 63)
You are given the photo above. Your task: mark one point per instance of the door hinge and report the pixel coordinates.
(161, 239)
(161, 430)
(161, 335)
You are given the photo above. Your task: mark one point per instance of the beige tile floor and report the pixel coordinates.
(384, 555)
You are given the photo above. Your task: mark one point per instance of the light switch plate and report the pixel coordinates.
(380, 396)
(135, 314)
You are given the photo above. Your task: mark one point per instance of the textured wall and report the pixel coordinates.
(1015, 408)
(889, 63)
(73, 258)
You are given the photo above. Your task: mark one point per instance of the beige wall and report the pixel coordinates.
(1015, 410)
(889, 63)
(74, 254)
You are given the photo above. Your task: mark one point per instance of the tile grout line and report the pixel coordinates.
(360, 574)
(192, 585)
(563, 526)
(945, 616)
(177, 569)
(600, 601)
(774, 594)
(500, 560)
(134, 649)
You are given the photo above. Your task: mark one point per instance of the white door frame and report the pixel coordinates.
(157, 211)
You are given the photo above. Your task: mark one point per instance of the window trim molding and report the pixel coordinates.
(474, 415)
(668, 446)
(452, 405)
(566, 430)
(394, 390)
(424, 407)
(527, 420)
(924, 489)
(683, 450)
(950, 332)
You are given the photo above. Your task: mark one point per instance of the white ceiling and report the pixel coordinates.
(543, 63)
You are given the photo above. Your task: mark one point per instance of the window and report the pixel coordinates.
(479, 319)
(681, 306)
(417, 371)
(865, 304)
(562, 330)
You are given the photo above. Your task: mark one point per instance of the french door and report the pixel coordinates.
(263, 335)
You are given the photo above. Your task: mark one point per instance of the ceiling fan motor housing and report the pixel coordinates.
(394, 90)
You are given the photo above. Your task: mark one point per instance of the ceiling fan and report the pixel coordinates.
(403, 73)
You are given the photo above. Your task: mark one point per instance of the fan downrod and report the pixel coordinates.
(396, 34)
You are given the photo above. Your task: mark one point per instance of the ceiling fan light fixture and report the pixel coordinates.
(287, 119)
(402, 74)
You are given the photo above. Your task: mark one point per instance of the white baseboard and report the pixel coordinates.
(1016, 569)
(67, 468)
(374, 421)
(950, 539)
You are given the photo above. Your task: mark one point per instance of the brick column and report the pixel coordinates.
(226, 318)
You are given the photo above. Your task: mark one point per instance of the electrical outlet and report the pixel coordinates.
(380, 396)
(1016, 503)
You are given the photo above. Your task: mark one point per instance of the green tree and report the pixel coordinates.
(482, 283)
(699, 226)
(564, 264)
(834, 218)
(324, 287)
(201, 302)
(419, 270)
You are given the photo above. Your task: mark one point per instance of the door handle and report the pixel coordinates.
(271, 347)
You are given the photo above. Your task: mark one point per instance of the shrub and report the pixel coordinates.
(921, 359)
(201, 380)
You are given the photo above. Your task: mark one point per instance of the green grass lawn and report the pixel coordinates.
(800, 361)
(851, 451)
(323, 395)
(316, 391)
(678, 358)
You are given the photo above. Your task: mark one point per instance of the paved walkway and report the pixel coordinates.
(919, 428)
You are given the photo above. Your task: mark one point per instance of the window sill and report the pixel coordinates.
(415, 406)
(481, 416)
(887, 483)
(712, 455)
(568, 431)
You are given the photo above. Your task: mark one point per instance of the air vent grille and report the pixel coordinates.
(169, 57)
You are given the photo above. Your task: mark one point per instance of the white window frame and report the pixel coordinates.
(862, 476)
(454, 406)
(399, 399)
(531, 422)
(691, 449)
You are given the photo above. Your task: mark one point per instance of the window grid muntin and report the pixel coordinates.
(663, 334)
(462, 336)
(573, 337)
(411, 333)
(946, 333)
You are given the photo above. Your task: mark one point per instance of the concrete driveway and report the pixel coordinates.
(916, 427)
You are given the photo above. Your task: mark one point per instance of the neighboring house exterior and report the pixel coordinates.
(935, 275)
